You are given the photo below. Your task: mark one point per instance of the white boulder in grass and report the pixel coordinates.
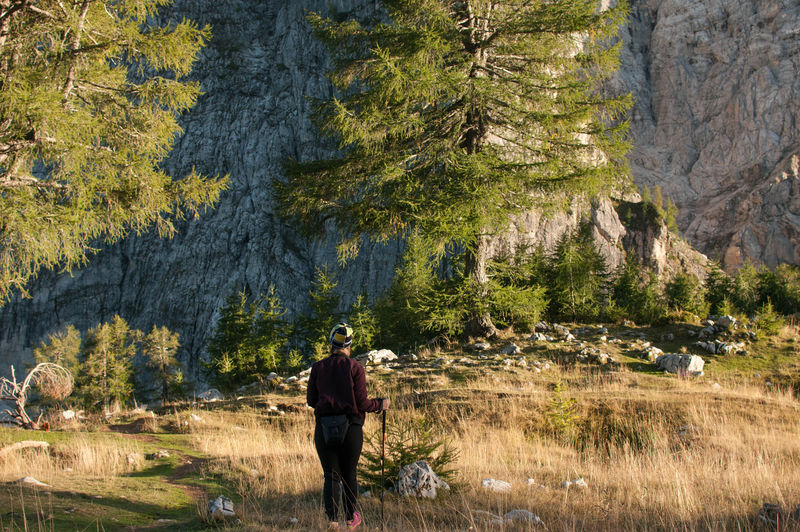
(726, 322)
(577, 483)
(682, 364)
(211, 395)
(30, 481)
(497, 486)
(512, 349)
(377, 356)
(419, 480)
(560, 329)
(522, 516)
(710, 347)
(221, 508)
(651, 353)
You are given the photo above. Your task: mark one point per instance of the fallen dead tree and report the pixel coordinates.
(51, 380)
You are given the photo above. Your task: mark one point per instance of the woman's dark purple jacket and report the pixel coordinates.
(338, 385)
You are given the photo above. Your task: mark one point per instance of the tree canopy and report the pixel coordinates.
(453, 116)
(90, 93)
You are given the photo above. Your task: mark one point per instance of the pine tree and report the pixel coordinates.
(578, 276)
(637, 293)
(456, 116)
(364, 323)
(90, 92)
(718, 289)
(745, 294)
(270, 334)
(781, 288)
(250, 340)
(517, 297)
(647, 197)
(232, 360)
(160, 348)
(400, 311)
(106, 372)
(562, 412)
(685, 293)
(658, 199)
(323, 302)
(62, 348)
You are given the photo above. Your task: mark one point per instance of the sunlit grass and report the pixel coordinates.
(657, 452)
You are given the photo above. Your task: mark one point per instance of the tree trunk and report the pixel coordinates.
(475, 22)
(479, 323)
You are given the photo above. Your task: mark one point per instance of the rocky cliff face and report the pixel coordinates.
(716, 120)
(714, 126)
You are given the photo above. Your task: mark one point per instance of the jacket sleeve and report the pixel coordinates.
(312, 394)
(363, 403)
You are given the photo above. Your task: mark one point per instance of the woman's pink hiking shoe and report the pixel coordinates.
(354, 522)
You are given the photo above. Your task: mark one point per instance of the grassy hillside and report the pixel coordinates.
(656, 451)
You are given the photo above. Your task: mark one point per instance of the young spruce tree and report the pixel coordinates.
(249, 341)
(106, 371)
(63, 348)
(578, 277)
(160, 348)
(316, 325)
(90, 92)
(454, 116)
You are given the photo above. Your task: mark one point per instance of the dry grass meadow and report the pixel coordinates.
(657, 452)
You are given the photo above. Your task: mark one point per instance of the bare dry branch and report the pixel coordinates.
(52, 380)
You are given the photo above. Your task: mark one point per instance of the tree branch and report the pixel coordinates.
(42, 12)
(28, 181)
(12, 9)
(76, 43)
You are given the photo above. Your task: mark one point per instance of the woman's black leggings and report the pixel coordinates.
(339, 464)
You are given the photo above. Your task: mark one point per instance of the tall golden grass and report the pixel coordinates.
(83, 456)
(656, 453)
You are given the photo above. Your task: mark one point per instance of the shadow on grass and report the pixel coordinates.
(38, 509)
(157, 470)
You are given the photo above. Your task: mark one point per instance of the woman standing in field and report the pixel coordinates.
(337, 390)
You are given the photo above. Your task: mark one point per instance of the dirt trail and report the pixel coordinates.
(189, 466)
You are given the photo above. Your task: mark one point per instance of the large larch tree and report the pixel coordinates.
(452, 117)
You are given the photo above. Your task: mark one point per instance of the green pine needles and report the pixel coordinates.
(102, 363)
(407, 441)
(90, 93)
(457, 115)
(561, 412)
(250, 340)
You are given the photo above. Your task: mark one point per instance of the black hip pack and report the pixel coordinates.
(334, 428)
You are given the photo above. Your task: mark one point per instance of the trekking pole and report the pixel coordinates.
(383, 457)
